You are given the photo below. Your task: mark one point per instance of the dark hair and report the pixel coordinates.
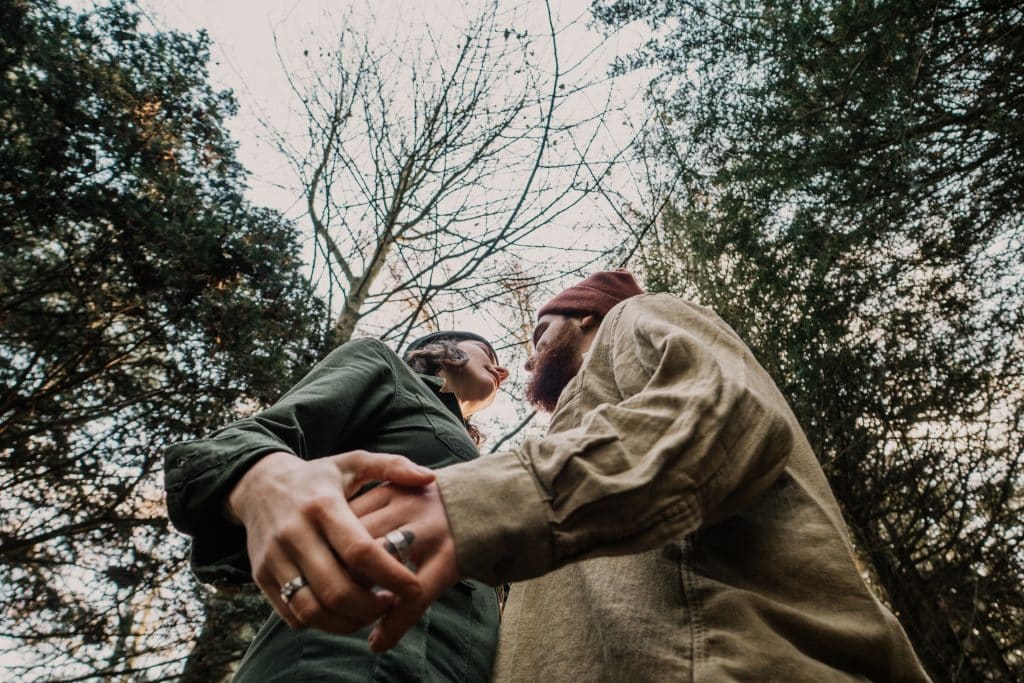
(439, 354)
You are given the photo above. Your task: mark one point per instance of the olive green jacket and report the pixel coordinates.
(677, 521)
(362, 396)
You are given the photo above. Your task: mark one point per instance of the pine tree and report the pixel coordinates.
(850, 196)
(143, 300)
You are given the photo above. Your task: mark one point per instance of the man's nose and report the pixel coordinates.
(528, 365)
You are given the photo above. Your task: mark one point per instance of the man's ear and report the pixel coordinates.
(589, 322)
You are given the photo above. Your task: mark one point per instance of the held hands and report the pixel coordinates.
(418, 511)
(308, 550)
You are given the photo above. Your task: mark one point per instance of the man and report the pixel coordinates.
(673, 524)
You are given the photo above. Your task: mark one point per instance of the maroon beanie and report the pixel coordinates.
(595, 295)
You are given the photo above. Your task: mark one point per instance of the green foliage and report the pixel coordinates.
(851, 198)
(142, 301)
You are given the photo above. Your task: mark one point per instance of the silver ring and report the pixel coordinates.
(290, 588)
(398, 542)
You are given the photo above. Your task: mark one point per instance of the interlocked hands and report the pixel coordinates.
(320, 555)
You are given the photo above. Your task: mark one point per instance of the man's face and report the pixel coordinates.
(558, 344)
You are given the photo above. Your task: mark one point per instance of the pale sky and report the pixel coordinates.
(245, 59)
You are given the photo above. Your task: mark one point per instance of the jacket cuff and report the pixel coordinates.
(497, 515)
(198, 477)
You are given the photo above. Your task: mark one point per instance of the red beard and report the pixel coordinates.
(553, 368)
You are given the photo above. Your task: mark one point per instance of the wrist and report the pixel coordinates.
(248, 489)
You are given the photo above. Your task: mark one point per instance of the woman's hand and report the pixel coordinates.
(421, 512)
(299, 526)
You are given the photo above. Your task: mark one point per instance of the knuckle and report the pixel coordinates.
(336, 599)
(306, 613)
(333, 598)
(286, 536)
(359, 551)
(319, 506)
(261, 575)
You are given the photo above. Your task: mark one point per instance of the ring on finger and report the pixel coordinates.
(398, 543)
(290, 588)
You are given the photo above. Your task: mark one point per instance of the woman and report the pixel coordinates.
(362, 396)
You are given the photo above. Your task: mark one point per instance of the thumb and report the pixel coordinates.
(361, 467)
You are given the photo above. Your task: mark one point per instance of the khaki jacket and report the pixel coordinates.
(674, 524)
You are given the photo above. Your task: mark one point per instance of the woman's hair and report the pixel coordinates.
(439, 354)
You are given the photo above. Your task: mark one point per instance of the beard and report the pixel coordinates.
(552, 370)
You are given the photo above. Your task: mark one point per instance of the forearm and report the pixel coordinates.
(697, 431)
(199, 479)
(314, 419)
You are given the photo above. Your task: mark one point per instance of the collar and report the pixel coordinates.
(447, 398)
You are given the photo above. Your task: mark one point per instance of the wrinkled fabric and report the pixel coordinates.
(361, 396)
(673, 524)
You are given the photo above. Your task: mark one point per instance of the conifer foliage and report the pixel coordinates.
(143, 300)
(849, 194)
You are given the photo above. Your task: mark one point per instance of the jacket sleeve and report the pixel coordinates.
(319, 416)
(698, 430)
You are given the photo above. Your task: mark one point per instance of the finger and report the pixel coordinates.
(374, 499)
(405, 613)
(379, 522)
(266, 578)
(364, 556)
(334, 601)
(364, 467)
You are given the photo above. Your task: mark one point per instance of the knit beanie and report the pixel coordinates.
(595, 295)
(457, 335)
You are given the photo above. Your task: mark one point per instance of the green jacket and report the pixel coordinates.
(361, 396)
(673, 525)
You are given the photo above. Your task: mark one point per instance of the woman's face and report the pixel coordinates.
(476, 383)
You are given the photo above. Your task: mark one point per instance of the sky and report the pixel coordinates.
(256, 42)
(250, 38)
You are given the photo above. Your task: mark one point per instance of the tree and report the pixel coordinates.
(849, 196)
(143, 300)
(438, 173)
(427, 168)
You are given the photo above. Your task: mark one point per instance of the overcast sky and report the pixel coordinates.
(245, 59)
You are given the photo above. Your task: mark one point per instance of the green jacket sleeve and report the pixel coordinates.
(325, 413)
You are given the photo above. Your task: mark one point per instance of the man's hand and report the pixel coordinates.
(299, 525)
(420, 511)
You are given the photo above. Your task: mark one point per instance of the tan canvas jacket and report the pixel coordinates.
(716, 549)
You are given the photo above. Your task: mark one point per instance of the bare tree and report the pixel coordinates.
(443, 178)
(423, 164)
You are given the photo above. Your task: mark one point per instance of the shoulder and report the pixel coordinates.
(366, 348)
(659, 313)
(364, 357)
(650, 323)
(649, 306)
(372, 351)
(650, 312)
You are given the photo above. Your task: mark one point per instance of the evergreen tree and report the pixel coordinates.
(850, 196)
(143, 301)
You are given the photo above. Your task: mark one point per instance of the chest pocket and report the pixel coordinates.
(450, 433)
